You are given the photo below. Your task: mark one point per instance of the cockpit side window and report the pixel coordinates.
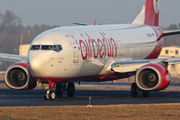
(46, 47)
(57, 48)
(35, 47)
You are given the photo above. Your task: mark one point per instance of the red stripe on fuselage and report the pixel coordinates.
(159, 45)
(109, 77)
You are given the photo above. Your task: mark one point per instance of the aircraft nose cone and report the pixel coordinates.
(38, 63)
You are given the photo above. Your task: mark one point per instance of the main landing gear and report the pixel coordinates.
(60, 88)
(49, 94)
(135, 91)
(71, 90)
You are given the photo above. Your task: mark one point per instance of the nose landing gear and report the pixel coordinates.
(49, 94)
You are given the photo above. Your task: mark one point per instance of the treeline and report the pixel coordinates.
(11, 32)
(173, 40)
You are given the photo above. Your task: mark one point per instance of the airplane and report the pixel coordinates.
(93, 53)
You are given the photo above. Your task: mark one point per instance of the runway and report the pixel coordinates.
(9, 97)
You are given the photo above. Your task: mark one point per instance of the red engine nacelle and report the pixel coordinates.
(152, 77)
(18, 77)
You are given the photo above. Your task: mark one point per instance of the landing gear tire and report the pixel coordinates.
(46, 95)
(70, 89)
(52, 95)
(134, 90)
(59, 90)
(146, 93)
(49, 95)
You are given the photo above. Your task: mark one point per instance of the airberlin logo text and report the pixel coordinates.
(100, 47)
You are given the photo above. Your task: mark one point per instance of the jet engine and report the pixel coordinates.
(18, 77)
(152, 77)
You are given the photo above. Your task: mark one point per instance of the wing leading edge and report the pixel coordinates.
(12, 58)
(134, 65)
(171, 32)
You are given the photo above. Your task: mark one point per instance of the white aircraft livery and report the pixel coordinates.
(93, 53)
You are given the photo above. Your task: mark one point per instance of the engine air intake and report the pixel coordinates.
(152, 77)
(17, 77)
(148, 78)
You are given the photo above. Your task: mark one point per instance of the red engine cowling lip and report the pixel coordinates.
(29, 84)
(163, 74)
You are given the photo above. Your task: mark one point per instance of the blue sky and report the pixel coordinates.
(65, 12)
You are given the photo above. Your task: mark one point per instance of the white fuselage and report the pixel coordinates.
(90, 50)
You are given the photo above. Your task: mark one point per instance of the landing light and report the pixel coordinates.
(118, 65)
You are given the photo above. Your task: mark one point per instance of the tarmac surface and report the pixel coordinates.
(9, 97)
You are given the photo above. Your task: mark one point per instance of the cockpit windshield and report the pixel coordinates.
(46, 47)
(55, 48)
(35, 47)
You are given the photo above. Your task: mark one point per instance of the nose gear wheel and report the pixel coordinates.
(49, 94)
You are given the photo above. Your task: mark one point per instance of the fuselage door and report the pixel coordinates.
(75, 48)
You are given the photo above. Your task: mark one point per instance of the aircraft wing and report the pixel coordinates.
(79, 23)
(170, 32)
(134, 65)
(12, 57)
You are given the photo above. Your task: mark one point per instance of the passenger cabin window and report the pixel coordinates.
(35, 47)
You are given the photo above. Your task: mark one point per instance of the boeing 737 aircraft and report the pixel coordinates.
(93, 53)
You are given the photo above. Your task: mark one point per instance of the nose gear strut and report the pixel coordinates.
(49, 94)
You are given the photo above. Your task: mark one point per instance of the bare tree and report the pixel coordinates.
(173, 40)
(9, 18)
(11, 30)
